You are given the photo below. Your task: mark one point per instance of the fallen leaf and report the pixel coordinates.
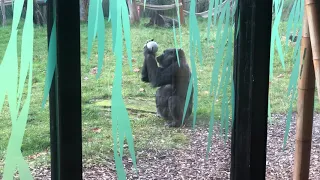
(206, 92)
(97, 130)
(94, 70)
(280, 75)
(136, 70)
(134, 60)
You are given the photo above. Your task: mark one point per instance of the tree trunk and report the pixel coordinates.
(37, 15)
(84, 10)
(3, 11)
(38, 18)
(133, 11)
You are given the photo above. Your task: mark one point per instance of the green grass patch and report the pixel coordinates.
(148, 130)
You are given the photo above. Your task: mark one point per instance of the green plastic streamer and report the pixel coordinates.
(290, 21)
(52, 62)
(222, 39)
(220, 50)
(126, 25)
(292, 88)
(178, 15)
(92, 24)
(209, 18)
(275, 36)
(294, 22)
(96, 26)
(9, 67)
(175, 42)
(174, 31)
(101, 38)
(194, 39)
(3, 89)
(121, 127)
(52, 57)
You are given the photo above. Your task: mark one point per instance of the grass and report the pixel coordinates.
(148, 131)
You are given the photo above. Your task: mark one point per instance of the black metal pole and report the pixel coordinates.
(252, 59)
(68, 93)
(52, 101)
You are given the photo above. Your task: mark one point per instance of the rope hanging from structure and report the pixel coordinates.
(158, 7)
(203, 14)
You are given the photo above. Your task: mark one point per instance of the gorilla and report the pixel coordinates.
(172, 80)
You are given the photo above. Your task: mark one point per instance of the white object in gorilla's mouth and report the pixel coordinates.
(153, 46)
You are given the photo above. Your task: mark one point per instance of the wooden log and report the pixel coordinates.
(312, 12)
(133, 10)
(182, 22)
(305, 106)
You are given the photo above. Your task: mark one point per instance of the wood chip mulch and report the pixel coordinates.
(191, 163)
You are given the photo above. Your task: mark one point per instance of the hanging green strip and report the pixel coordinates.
(13, 87)
(223, 38)
(294, 24)
(174, 31)
(96, 27)
(292, 88)
(278, 5)
(194, 40)
(220, 49)
(179, 19)
(119, 18)
(121, 127)
(209, 19)
(52, 57)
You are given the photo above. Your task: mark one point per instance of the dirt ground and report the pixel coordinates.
(191, 163)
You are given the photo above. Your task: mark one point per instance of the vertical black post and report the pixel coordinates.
(252, 59)
(52, 101)
(68, 78)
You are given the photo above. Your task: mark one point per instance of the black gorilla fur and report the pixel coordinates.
(173, 82)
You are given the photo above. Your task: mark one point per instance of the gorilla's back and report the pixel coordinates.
(182, 81)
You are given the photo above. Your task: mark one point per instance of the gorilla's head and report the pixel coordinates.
(169, 56)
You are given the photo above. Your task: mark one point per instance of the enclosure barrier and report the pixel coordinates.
(251, 78)
(251, 81)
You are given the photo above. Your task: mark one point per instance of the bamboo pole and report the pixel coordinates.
(305, 105)
(312, 12)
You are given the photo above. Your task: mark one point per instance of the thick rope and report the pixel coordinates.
(203, 14)
(158, 7)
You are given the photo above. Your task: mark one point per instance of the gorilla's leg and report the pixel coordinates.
(176, 108)
(162, 97)
(176, 111)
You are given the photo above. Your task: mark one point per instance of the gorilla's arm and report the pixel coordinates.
(144, 73)
(148, 55)
(160, 76)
